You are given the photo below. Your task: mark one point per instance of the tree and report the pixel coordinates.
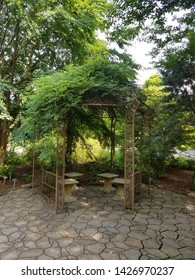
(178, 71)
(39, 36)
(167, 133)
(170, 25)
(129, 18)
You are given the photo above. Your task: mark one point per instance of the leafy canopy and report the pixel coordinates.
(57, 94)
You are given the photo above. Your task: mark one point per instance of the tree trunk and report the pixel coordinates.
(4, 135)
(69, 143)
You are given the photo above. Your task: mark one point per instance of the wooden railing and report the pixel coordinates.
(137, 184)
(51, 190)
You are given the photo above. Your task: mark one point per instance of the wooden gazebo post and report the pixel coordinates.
(129, 154)
(57, 172)
(59, 188)
(33, 163)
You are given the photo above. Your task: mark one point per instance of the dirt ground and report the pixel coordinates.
(23, 176)
(174, 180)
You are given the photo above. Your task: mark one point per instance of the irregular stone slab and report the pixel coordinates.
(43, 243)
(123, 229)
(19, 245)
(29, 218)
(9, 230)
(126, 222)
(170, 227)
(157, 254)
(109, 224)
(170, 251)
(16, 236)
(138, 227)
(138, 235)
(70, 232)
(185, 226)
(109, 256)
(10, 220)
(3, 238)
(4, 247)
(2, 218)
(141, 220)
(98, 236)
(132, 254)
(119, 237)
(31, 254)
(170, 234)
(95, 248)
(75, 250)
(172, 243)
(188, 242)
(33, 236)
(132, 242)
(10, 255)
(95, 223)
(64, 242)
(30, 244)
(188, 253)
(84, 240)
(152, 221)
(120, 245)
(111, 230)
(55, 253)
(20, 223)
(151, 233)
(53, 235)
(89, 231)
(183, 233)
(79, 226)
(151, 243)
(44, 257)
(89, 257)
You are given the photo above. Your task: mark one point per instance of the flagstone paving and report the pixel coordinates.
(96, 227)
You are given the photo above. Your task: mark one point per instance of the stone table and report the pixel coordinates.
(107, 178)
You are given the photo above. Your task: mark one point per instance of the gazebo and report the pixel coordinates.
(52, 183)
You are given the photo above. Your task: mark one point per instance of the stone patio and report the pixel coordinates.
(96, 227)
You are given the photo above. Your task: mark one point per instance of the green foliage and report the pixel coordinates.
(57, 94)
(177, 69)
(58, 97)
(13, 159)
(151, 18)
(39, 37)
(45, 151)
(5, 170)
(182, 163)
(166, 131)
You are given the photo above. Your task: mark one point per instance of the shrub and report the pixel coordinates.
(5, 170)
(13, 159)
(183, 163)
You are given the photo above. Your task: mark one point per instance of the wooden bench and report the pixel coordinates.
(119, 183)
(68, 184)
(107, 178)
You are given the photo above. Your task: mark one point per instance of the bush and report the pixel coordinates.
(5, 170)
(183, 163)
(13, 159)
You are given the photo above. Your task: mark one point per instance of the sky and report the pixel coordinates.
(140, 53)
